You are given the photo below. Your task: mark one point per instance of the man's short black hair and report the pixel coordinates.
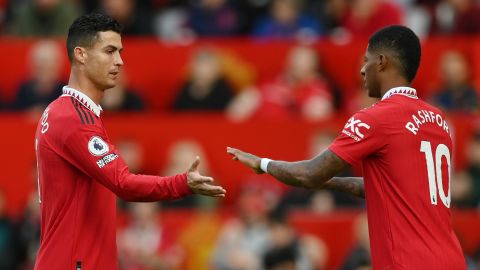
(401, 41)
(84, 30)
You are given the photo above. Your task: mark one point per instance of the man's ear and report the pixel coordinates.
(80, 54)
(382, 62)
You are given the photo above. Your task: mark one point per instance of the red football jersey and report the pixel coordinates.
(80, 172)
(405, 149)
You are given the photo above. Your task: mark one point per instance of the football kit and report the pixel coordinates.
(80, 174)
(404, 147)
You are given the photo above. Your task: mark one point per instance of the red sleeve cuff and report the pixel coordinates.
(181, 185)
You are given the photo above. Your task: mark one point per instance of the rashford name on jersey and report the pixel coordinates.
(426, 117)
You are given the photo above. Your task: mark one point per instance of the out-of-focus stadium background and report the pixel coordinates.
(274, 77)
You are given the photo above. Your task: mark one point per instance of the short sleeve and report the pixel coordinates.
(361, 137)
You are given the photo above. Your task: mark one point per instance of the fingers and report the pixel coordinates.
(232, 151)
(204, 179)
(195, 164)
(214, 191)
(196, 178)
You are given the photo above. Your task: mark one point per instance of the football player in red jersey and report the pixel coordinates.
(80, 171)
(404, 147)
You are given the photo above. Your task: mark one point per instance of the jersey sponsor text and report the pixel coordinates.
(424, 116)
(106, 159)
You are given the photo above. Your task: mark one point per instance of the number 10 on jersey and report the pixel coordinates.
(434, 170)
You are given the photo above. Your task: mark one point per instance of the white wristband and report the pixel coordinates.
(264, 164)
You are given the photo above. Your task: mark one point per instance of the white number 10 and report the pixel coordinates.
(434, 170)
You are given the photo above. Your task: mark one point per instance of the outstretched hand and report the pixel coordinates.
(249, 160)
(200, 184)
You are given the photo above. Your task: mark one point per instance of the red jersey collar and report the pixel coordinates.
(402, 90)
(84, 99)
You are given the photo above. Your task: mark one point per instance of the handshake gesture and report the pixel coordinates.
(202, 185)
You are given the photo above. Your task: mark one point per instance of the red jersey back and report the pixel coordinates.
(405, 149)
(80, 172)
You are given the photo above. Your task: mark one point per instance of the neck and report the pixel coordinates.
(82, 84)
(399, 82)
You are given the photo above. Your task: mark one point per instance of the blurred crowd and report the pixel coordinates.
(218, 81)
(302, 89)
(182, 20)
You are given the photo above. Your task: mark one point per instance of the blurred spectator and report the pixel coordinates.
(145, 244)
(3, 15)
(206, 88)
(359, 257)
(28, 240)
(456, 94)
(132, 153)
(462, 190)
(44, 18)
(473, 170)
(330, 13)
(170, 25)
(456, 17)
(467, 16)
(93, 5)
(290, 251)
(121, 98)
(322, 202)
(367, 16)
(3, 103)
(7, 238)
(287, 20)
(44, 84)
(214, 18)
(254, 9)
(245, 239)
(300, 92)
(134, 19)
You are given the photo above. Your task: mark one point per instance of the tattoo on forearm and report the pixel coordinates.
(311, 173)
(350, 185)
(288, 172)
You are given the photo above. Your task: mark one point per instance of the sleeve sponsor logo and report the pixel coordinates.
(97, 146)
(106, 159)
(354, 127)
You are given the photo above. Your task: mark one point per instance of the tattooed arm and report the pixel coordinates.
(351, 185)
(315, 173)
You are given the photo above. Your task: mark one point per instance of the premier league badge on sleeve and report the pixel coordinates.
(97, 146)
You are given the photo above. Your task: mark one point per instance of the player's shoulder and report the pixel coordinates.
(430, 107)
(384, 109)
(361, 123)
(68, 115)
(371, 113)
